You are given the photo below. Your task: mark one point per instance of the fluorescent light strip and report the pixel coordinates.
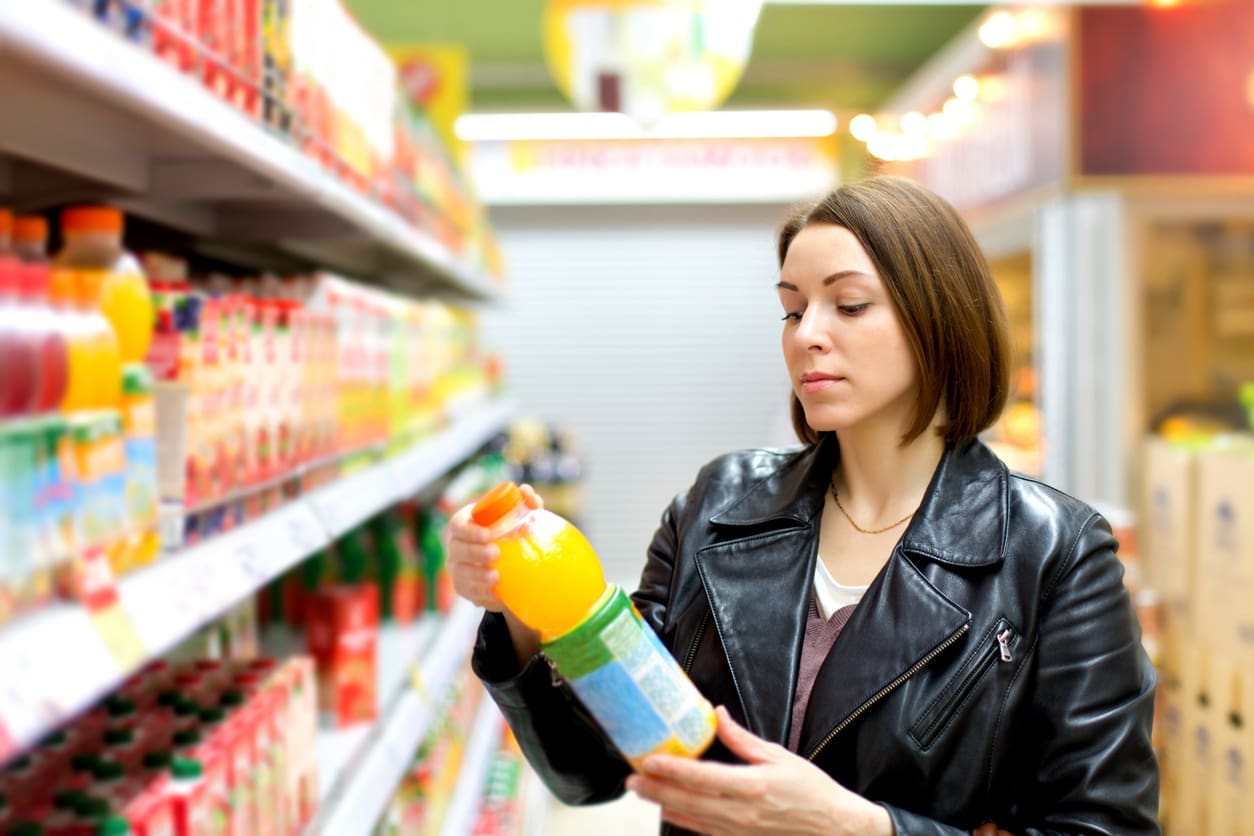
(718, 124)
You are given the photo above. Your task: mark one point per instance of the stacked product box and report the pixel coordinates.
(192, 747)
(1199, 549)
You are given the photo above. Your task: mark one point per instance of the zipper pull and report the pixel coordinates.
(554, 679)
(1003, 641)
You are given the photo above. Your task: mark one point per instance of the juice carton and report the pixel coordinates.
(341, 629)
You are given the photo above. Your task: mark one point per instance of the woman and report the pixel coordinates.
(902, 636)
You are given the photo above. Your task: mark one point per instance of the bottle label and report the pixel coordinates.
(634, 688)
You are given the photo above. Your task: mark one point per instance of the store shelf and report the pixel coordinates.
(485, 736)
(400, 648)
(108, 120)
(57, 661)
(366, 765)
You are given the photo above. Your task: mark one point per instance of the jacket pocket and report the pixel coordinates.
(995, 647)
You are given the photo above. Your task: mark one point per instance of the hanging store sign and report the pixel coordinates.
(535, 172)
(648, 58)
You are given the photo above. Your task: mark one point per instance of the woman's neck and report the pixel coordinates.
(881, 479)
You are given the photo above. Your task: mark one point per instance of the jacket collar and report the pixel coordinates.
(969, 492)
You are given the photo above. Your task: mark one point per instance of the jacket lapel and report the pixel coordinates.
(764, 551)
(746, 581)
(901, 620)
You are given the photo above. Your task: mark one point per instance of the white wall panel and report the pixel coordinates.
(653, 335)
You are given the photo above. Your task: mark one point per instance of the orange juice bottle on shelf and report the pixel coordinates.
(95, 366)
(93, 242)
(551, 580)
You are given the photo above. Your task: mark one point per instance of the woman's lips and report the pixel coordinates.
(811, 383)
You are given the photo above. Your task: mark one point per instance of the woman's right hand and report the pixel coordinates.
(472, 555)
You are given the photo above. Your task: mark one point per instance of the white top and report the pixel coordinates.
(829, 595)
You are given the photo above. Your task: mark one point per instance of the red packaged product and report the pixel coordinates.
(342, 631)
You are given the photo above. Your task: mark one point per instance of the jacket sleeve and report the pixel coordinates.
(1089, 767)
(573, 757)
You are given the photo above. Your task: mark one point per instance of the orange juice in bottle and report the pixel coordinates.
(94, 365)
(93, 242)
(551, 579)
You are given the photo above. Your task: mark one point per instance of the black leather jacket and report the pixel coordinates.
(992, 672)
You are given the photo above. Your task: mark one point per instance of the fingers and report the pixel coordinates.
(704, 776)
(741, 741)
(680, 820)
(471, 559)
(464, 529)
(678, 801)
(530, 496)
(477, 584)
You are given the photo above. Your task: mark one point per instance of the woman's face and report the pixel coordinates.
(846, 352)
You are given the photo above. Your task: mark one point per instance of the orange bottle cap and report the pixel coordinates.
(91, 219)
(30, 228)
(6, 221)
(496, 503)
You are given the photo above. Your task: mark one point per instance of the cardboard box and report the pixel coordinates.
(1193, 800)
(1168, 525)
(1225, 552)
(1232, 807)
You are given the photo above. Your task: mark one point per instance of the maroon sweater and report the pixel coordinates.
(820, 636)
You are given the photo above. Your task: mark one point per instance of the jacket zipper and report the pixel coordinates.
(998, 648)
(696, 642)
(887, 689)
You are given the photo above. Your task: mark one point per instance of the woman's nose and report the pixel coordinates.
(812, 330)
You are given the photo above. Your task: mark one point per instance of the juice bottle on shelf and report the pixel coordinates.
(95, 366)
(139, 422)
(48, 338)
(18, 353)
(551, 580)
(30, 239)
(93, 242)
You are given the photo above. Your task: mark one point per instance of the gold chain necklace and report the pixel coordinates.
(836, 497)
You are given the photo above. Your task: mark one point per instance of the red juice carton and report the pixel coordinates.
(342, 631)
(214, 791)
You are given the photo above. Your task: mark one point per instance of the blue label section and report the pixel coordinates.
(614, 698)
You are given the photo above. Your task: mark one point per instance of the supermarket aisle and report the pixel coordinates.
(629, 816)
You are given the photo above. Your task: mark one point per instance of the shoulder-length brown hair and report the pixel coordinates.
(939, 282)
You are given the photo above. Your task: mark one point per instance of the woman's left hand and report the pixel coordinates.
(775, 791)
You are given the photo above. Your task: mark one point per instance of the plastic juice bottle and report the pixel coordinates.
(551, 580)
(6, 232)
(18, 353)
(95, 369)
(30, 239)
(93, 242)
(45, 328)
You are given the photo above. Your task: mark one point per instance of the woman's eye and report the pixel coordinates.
(795, 316)
(854, 310)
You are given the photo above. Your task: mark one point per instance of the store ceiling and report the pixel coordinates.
(843, 57)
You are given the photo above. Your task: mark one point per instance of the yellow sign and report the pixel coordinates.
(647, 58)
(435, 79)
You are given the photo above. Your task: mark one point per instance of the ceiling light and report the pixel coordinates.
(998, 31)
(967, 88)
(913, 123)
(938, 127)
(716, 124)
(862, 127)
(956, 111)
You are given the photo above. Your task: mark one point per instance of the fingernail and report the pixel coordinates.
(652, 766)
(633, 783)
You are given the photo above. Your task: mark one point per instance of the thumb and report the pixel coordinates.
(742, 742)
